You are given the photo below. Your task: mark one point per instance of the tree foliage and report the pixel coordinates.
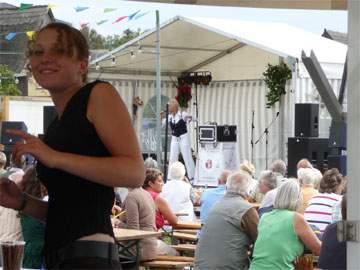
(8, 85)
(98, 41)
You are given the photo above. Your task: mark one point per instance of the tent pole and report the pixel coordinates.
(158, 91)
(353, 133)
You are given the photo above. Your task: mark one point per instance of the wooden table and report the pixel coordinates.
(127, 239)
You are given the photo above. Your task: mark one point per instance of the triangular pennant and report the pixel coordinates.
(120, 19)
(30, 34)
(10, 36)
(133, 15)
(24, 6)
(101, 22)
(140, 15)
(106, 10)
(79, 9)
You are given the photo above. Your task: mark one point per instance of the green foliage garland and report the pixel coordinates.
(275, 78)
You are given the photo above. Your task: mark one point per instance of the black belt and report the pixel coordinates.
(178, 135)
(82, 249)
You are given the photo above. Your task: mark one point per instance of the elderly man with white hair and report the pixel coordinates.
(230, 229)
(177, 191)
(307, 178)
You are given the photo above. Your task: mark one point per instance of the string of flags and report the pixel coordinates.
(131, 17)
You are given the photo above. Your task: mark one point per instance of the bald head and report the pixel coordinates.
(223, 177)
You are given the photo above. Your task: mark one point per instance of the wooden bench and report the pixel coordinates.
(165, 265)
(168, 262)
(184, 247)
(184, 236)
(187, 231)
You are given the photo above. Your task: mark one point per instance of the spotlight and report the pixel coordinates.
(97, 66)
(113, 61)
(16, 80)
(140, 49)
(132, 55)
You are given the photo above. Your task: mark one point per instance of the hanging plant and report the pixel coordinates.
(275, 78)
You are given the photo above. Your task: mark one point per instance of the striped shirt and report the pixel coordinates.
(319, 210)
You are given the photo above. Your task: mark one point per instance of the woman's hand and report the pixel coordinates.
(10, 194)
(34, 146)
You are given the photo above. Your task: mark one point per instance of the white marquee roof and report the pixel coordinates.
(187, 44)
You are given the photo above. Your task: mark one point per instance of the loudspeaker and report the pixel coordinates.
(339, 162)
(314, 149)
(226, 133)
(49, 114)
(306, 120)
(145, 155)
(10, 139)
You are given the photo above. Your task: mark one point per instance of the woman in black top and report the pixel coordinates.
(87, 150)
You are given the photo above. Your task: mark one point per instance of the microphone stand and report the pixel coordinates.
(252, 137)
(266, 133)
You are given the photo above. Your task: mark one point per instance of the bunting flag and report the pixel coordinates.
(141, 15)
(51, 6)
(79, 9)
(101, 22)
(83, 25)
(133, 15)
(10, 36)
(120, 19)
(106, 10)
(24, 6)
(30, 34)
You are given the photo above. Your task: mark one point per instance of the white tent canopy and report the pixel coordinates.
(189, 44)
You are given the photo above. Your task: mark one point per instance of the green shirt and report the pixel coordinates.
(277, 244)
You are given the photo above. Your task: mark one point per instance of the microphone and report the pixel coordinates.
(277, 114)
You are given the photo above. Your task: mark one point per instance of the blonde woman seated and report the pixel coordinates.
(283, 232)
(153, 184)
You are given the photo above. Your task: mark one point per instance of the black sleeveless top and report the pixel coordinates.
(76, 207)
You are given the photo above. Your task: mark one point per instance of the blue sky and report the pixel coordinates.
(310, 20)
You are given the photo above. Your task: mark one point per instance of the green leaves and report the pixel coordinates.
(275, 78)
(8, 86)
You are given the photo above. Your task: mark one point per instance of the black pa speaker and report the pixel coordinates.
(226, 133)
(339, 162)
(314, 149)
(49, 114)
(306, 120)
(8, 139)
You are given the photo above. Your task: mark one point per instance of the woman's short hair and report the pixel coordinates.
(177, 171)
(279, 166)
(268, 178)
(306, 176)
(331, 181)
(238, 183)
(150, 163)
(151, 174)
(289, 195)
(248, 167)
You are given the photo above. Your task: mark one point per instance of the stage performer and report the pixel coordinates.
(180, 140)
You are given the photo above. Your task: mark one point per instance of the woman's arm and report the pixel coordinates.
(165, 210)
(111, 119)
(306, 234)
(12, 197)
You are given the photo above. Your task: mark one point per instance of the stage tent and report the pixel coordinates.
(236, 53)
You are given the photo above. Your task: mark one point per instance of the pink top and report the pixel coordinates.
(159, 218)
